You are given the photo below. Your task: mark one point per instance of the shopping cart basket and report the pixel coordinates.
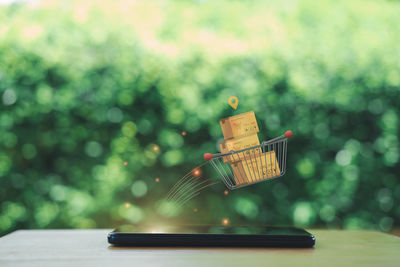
(252, 165)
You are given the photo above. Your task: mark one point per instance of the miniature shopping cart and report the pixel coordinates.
(252, 165)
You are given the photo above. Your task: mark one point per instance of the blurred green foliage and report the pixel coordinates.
(95, 95)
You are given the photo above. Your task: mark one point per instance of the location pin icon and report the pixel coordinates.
(233, 102)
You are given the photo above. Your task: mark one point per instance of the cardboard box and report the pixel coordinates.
(238, 174)
(257, 169)
(239, 125)
(236, 144)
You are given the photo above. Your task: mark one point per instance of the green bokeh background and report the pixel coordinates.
(88, 85)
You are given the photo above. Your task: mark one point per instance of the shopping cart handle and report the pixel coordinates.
(289, 134)
(208, 156)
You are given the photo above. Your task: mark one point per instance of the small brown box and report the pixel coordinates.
(236, 144)
(238, 173)
(239, 125)
(261, 168)
(256, 169)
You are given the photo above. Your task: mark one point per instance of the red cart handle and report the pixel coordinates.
(289, 134)
(208, 156)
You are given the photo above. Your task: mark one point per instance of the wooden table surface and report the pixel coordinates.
(90, 248)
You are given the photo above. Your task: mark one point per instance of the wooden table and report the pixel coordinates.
(90, 248)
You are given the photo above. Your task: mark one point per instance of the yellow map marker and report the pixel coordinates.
(233, 102)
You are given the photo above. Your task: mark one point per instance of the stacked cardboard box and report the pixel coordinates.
(240, 132)
(256, 169)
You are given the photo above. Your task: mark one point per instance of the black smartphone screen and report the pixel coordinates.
(223, 236)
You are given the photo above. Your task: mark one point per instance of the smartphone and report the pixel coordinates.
(211, 236)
